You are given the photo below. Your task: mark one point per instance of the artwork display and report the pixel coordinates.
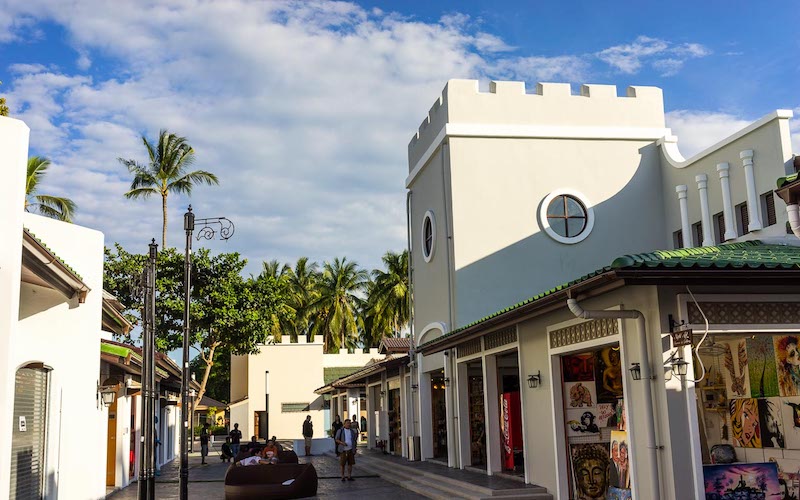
(737, 378)
(580, 394)
(763, 373)
(790, 411)
(771, 422)
(742, 481)
(582, 422)
(621, 425)
(618, 494)
(787, 359)
(608, 370)
(619, 472)
(788, 478)
(590, 465)
(606, 415)
(578, 367)
(745, 423)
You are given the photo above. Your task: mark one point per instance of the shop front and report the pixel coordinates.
(439, 415)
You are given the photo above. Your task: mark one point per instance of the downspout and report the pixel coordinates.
(641, 333)
(793, 211)
(412, 353)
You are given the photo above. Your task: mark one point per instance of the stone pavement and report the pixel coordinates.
(207, 481)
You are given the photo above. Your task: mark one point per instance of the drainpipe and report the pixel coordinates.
(793, 211)
(641, 333)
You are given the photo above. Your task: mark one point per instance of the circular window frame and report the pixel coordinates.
(545, 223)
(428, 256)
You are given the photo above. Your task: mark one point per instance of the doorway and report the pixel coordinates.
(439, 415)
(111, 445)
(510, 406)
(29, 432)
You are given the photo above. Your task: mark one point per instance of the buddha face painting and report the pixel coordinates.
(590, 465)
(745, 423)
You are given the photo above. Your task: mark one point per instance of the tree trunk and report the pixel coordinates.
(209, 363)
(164, 221)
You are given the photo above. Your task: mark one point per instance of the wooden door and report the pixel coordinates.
(111, 447)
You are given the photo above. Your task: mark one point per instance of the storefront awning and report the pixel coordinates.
(357, 379)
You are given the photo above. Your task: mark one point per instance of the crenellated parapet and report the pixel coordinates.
(554, 105)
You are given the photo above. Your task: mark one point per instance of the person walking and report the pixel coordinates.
(236, 439)
(308, 434)
(204, 443)
(354, 426)
(346, 439)
(335, 426)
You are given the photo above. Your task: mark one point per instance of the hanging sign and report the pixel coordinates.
(23, 426)
(682, 338)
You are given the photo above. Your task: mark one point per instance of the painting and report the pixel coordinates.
(608, 374)
(582, 422)
(771, 422)
(787, 360)
(578, 367)
(619, 473)
(618, 494)
(621, 426)
(788, 477)
(741, 481)
(745, 423)
(606, 415)
(790, 411)
(737, 379)
(761, 365)
(580, 394)
(590, 470)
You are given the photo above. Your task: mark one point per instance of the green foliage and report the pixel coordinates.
(54, 207)
(3, 107)
(218, 385)
(216, 430)
(337, 309)
(388, 303)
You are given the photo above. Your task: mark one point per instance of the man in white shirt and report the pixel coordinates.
(346, 439)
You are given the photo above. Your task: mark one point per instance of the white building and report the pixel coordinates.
(51, 294)
(519, 201)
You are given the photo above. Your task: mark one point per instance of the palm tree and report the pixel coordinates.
(303, 280)
(336, 310)
(279, 273)
(165, 173)
(388, 305)
(3, 107)
(49, 206)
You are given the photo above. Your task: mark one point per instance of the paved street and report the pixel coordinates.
(207, 481)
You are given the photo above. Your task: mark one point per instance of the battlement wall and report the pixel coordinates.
(551, 104)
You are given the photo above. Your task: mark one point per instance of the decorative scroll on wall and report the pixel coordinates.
(745, 313)
(468, 348)
(500, 338)
(582, 332)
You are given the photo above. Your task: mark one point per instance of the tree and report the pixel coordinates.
(388, 304)
(165, 173)
(50, 206)
(3, 107)
(218, 385)
(337, 308)
(303, 291)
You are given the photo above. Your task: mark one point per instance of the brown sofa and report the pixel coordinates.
(265, 481)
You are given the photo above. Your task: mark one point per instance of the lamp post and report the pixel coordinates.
(210, 228)
(146, 289)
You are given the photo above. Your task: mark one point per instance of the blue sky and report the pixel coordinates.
(304, 110)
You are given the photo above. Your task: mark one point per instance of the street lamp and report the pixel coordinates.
(209, 229)
(146, 290)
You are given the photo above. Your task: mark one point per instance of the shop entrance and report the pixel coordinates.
(598, 455)
(510, 414)
(395, 423)
(439, 415)
(477, 413)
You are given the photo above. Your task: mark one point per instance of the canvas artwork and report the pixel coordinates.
(580, 394)
(790, 411)
(771, 422)
(608, 374)
(788, 477)
(606, 415)
(787, 360)
(741, 481)
(578, 367)
(621, 425)
(590, 470)
(745, 423)
(761, 364)
(582, 422)
(737, 379)
(619, 468)
(618, 494)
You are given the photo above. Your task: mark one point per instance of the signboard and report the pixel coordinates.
(23, 426)
(681, 338)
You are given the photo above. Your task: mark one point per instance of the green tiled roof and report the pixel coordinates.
(334, 373)
(63, 263)
(744, 255)
(782, 181)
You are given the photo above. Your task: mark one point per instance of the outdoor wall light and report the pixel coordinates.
(636, 371)
(446, 381)
(107, 394)
(414, 387)
(535, 380)
(680, 367)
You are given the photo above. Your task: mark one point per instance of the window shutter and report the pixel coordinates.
(769, 205)
(745, 217)
(720, 218)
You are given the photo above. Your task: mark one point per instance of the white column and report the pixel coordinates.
(752, 195)
(686, 228)
(451, 412)
(491, 398)
(705, 213)
(727, 205)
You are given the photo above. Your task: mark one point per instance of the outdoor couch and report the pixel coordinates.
(284, 456)
(266, 481)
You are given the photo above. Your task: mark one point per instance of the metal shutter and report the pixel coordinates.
(769, 205)
(745, 217)
(720, 218)
(28, 445)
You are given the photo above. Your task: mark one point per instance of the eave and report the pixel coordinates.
(42, 267)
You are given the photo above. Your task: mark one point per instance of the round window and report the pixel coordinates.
(566, 217)
(428, 236)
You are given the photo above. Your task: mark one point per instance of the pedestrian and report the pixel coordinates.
(354, 425)
(337, 424)
(236, 439)
(204, 442)
(270, 453)
(227, 452)
(276, 443)
(308, 434)
(346, 439)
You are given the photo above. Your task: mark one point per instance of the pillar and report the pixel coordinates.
(727, 205)
(708, 228)
(752, 195)
(686, 228)
(492, 415)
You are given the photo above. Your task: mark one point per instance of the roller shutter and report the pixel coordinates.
(29, 434)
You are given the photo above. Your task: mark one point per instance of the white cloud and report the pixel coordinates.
(664, 56)
(83, 62)
(697, 130)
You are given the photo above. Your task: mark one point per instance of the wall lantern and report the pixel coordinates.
(636, 371)
(107, 394)
(414, 387)
(535, 380)
(680, 367)
(446, 381)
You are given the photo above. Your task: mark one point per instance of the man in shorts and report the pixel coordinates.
(308, 434)
(346, 440)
